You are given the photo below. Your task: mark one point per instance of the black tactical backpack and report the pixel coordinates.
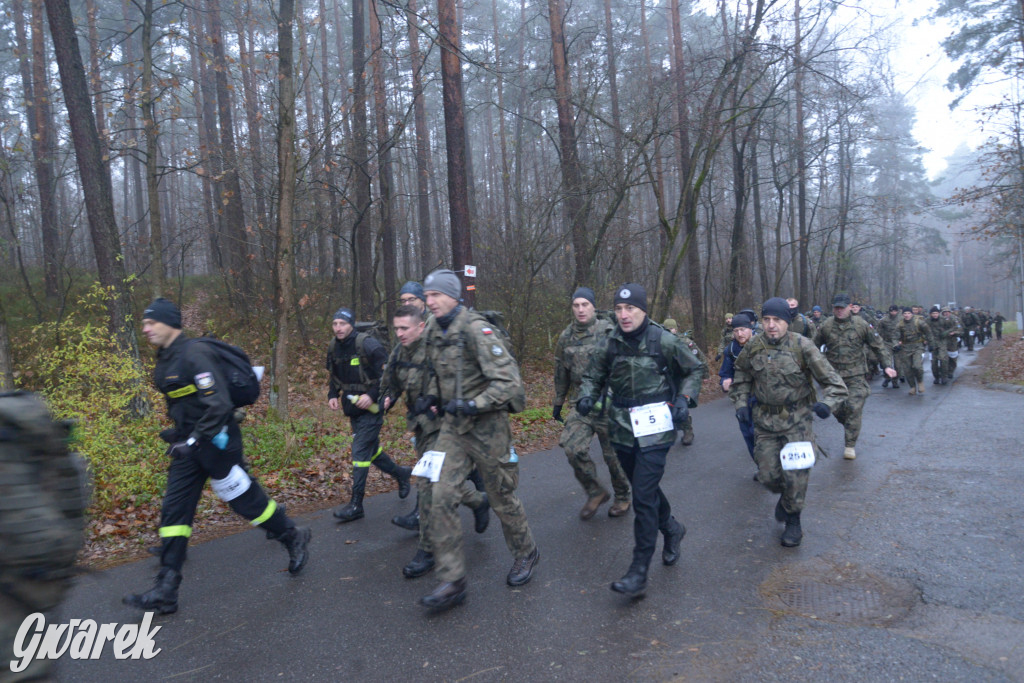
(243, 385)
(44, 492)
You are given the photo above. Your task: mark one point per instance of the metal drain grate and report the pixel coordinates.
(812, 598)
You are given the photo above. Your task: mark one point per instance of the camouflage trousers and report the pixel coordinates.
(576, 438)
(486, 446)
(792, 484)
(471, 498)
(851, 411)
(940, 362)
(913, 364)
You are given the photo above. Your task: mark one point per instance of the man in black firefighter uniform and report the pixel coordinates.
(205, 443)
(355, 362)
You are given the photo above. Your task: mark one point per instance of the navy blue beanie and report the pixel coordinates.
(632, 294)
(778, 307)
(414, 288)
(344, 314)
(585, 293)
(163, 311)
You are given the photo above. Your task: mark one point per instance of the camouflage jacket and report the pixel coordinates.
(726, 338)
(408, 372)
(969, 320)
(635, 377)
(801, 324)
(573, 351)
(937, 329)
(780, 376)
(473, 348)
(887, 328)
(914, 331)
(695, 350)
(845, 342)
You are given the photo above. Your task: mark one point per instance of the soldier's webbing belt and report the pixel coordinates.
(788, 407)
(623, 402)
(183, 391)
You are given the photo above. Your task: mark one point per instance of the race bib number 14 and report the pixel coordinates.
(429, 466)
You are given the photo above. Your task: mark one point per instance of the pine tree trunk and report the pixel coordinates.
(156, 249)
(362, 229)
(427, 259)
(384, 175)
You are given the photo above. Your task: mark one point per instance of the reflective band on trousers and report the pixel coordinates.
(184, 391)
(367, 463)
(271, 507)
(178, 530)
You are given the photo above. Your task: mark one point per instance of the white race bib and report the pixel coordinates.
(954, 354)
(233, 485)
(429, 466)
(653, 418)
(972, 333)
(797, 455)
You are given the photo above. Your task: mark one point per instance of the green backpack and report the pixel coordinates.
(43, 496)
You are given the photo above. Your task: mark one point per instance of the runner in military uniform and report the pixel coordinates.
(887, 331)
(654, 379)
(672, 326)
(43, 497)
(954, 330)
(847, 338)
(937, 328)
(477, 383)
(799, 323)
(969, 320)
(573, 351)
(914, 336)
(777, 368)
(408, 373)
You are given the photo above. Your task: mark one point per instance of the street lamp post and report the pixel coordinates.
(953, 266)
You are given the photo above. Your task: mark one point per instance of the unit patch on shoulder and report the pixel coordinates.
(486, 330)
(497, 350)
(204, 380)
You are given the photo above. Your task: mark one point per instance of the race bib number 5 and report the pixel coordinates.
(797, 455)
(429, 466)
(653, 418)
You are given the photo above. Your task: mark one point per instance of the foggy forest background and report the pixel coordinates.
(276, 160)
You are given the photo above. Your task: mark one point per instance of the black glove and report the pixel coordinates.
(584, 406)
(743, 414)
(423, 404)
(169, 435)
(898, 347)
(182, 449)
(821, 410)
(556, 413)
(460, 406)
(680, 411)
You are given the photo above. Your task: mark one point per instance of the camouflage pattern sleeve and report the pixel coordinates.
(562, 379)
(878, 347)
(390, 386)
(596, 374)
(685, 365)
(834, 388)
(742, 379)
(497, 366)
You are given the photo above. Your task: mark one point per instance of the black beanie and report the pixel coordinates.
(345, 314)
(742, 320)
(777, 307)
(585, 293)
(163, 311)
(632, 294)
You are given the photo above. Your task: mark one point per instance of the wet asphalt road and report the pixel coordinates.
(910, 569)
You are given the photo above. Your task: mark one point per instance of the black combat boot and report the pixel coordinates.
(792, 535)
(673, 537)
(482, 516)
(354, 509)
(522, 569)
(448, 594)
(401, 474)
(409, 521)
(296, 541)
(885, 382)
(634, 583)
(162, 597)
(420, 564)
(780, 512)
